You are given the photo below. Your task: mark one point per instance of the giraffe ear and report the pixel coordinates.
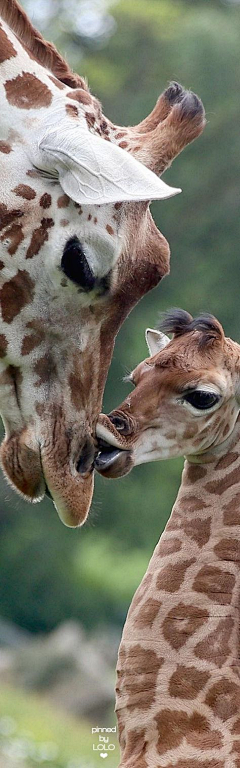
(94, 171)
(155, 341)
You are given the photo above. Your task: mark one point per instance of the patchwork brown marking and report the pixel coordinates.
(117, 206)
(109, 229)
(56, 82)
(138, 677)
(8, 216)
(136, 747)
(215, 648)
(224, 698)
(5, 148)
(32, 340)
(147, 614)
(90, 119)
(226, 461)
(33, 174)
(192, 503)
(46, 200)
(141, 591)
(217, 584)
(123, 144)
(199, 764)
(220, 486)
(174, 726)
(83, 97)
(187, 682)
(170, 579)
(3, 345)
(26, 91)
(194, 473)
(198, 530)
(45, 368)
(39, 237)
(40, 409)
(15, 294)
(89, 216)
(63, 201)
(120, 134)
(169, 546)
(231, 515)
(23, 190)
(7, 50)
(182, 622)
(71, 110)
(228, 549)
(15, 235)
(236, 727)
(2, 265)
(95, 220)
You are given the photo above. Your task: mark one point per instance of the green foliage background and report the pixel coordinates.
(47, 572)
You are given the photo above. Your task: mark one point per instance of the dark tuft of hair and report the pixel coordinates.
(178, 322)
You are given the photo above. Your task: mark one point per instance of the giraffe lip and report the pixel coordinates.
(111, 461)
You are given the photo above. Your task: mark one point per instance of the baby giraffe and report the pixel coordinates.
(178, 690)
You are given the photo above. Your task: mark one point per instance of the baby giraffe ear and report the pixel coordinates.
(92, 170)
(155, 341)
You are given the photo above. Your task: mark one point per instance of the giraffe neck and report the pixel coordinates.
(178, 694)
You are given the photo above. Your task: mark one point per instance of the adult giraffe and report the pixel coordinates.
(178, 690)
(78, 249)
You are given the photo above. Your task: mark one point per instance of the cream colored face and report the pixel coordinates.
(185, 401)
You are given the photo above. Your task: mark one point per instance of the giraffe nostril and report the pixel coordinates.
(122, 424)
(86, 458)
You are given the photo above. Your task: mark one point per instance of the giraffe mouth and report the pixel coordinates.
(114, 458)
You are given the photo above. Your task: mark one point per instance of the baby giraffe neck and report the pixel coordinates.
(178, 690)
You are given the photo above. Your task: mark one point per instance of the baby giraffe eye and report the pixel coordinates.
(201, 400)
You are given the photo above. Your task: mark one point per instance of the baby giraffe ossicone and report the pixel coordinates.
(178, 689)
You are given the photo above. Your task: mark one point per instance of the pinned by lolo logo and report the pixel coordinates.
(103, 747)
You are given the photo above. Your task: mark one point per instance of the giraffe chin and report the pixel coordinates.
(32, 474)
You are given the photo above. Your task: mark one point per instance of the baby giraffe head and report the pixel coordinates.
(186, 398)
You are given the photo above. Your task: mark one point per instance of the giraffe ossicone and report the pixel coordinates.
(78, 248)
(178, 689)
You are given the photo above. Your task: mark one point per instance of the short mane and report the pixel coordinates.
(43, 51)
(179, 322)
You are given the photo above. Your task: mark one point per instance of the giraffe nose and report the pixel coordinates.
(86, 458)
(121, 423)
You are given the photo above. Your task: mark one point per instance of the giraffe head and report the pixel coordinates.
(78, 248)
(186, 398)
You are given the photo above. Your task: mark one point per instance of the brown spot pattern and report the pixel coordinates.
(147, 614)
(228, 549)
(170, 579)
(45, 368)
(7, 216)
(90, 119)
(231, 514)
(26, 91)
(63, 201)
(33, 339)
(167, 546)
(182, 622)
(7, 51)
(224, 699)
(15, 234)
(198, 530)
(217, 584)
(138, 676)
(79, 95)
(220, 486)
(199, 764)
(3, 345)
(136, 747)
(225, 461)
(215, 648)
(46, 200)
(194, 473)
(174, 726)
(187, 682)
(109, 229)
(72, 110)
(39, 237)
(16, 294)
(5, 148)
(23, 190)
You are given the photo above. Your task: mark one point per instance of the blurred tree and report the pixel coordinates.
(49, 573)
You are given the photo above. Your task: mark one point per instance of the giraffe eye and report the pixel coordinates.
(201, 400)
(75, 266)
